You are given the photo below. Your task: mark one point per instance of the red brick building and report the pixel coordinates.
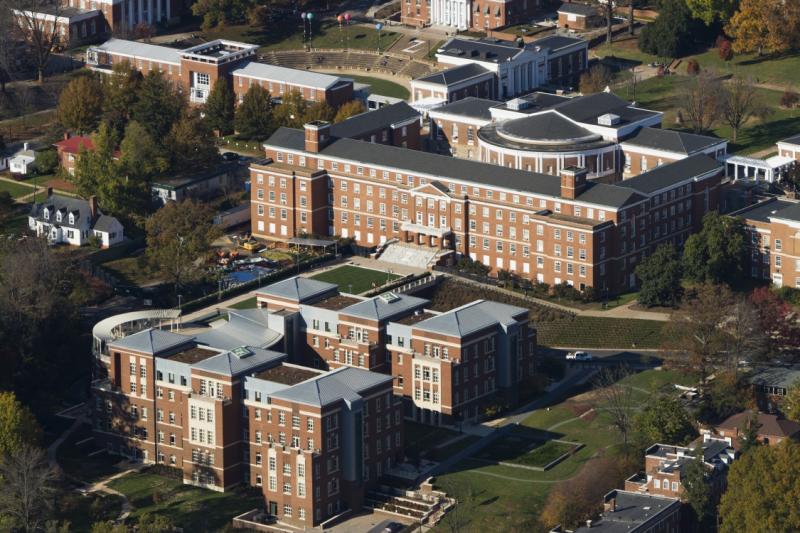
(547, 228)
(771, 429)
(69, 150)
(467, 14)
(634, 512)
(576, 16)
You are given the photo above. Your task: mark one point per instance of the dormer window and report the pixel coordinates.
(46, 214)
(58, 216)
(71, 218)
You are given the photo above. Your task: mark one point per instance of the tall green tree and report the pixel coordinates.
(219, 107)
(80, 104)
(762, 490)
(319, 111)
(217, 13)
(718, 252)
(97, 165)
(18, 426)
(254, 118)
(292, 111)
(791, 403)
(158, 105)
(748, 439)
(660, 277)
(696, 490)
(192, 144)
(670, 35)
(120, 89)
(349, 109)
(663, 420)
(179, 237)
(141, 157)
(711, 11)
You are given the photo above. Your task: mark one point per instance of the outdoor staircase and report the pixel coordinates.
(411, 255)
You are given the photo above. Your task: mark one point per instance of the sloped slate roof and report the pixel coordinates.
(298, 289)
(363, 123)
(378, 308)
(546, 127)
(307, 78)
(135, 49)
(588, 108)
(105, 223)
(341, 384)
(494, 51)
(671, 173)
(470, 318)
(151, 341)
(672, 141)
(583, 10)
(230, 364)
(471, 106)
(794, 139)
(454, 75)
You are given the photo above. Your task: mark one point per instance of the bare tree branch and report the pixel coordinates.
(37, 21)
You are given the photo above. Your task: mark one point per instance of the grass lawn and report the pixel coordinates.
(601, 332)
(442, 453)
(190, 508)
(249, 303)
(132, 271)
(525, 447)
(15, 189)
(545, 454)
(382, 87)
(355, 280)
(81, 511)
(421, 438)
(288, 35)
(782, 70)
(434, 49)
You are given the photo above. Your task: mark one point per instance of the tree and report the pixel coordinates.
(789, 99)
(349, 109)
(47, 161)
(617, 399)
(740, 103)
(28, 487)
(120, 89)
(791, 403)
(219, 107)
(141, 157)
(192, 144)
(319, 111)
(595, 80)
(663, 420)
(157, 106)
(749, 434)
(746, 340)
(609, 9)
(292, 111)
(718, 252)
(764, 26)
(631, 9)
(253, 117)
(692, 67)
(776, 319)
(726, 396)
(702, 101)
(711, 11)
(41, 35)
(95, 166)
(179, 237)
(762, 490)
(81, 104)
(8, 47)
(725, 50)
(7, 206)
(660, 277)
(696, 491)
(18, 426)
(456, 519)
(221, 12)
(670, 35)
(694, 335)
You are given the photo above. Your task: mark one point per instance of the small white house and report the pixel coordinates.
(73, 221)
(23, 161)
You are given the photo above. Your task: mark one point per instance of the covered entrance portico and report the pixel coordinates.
(749, 168)
(431, 237)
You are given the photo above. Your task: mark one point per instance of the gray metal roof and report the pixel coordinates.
(446, 167)
(634, 512)
(672, 173)
(470, 318)
(151, 341)
(763, 211)
(306, 78)
(243, 327)
(490, 50)
(588, 108)
(454, 75)
(583, 10)
(471, 107)
(341, 384)
(299, 289)
(775, 376)
(137, 50)
(240, 360)
(794, 139)
(386, 116)
(385, 306)
(679, 142)
(546, 127)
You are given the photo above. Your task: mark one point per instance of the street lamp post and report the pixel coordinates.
(309, 18)
(379, 27)
(347, 30)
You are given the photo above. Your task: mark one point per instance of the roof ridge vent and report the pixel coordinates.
(242, 352)
(389, 297)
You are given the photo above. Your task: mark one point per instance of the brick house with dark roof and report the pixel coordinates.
(772, 429)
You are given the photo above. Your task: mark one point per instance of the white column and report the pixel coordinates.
(169, 9)
(140, 18)
(158, 13)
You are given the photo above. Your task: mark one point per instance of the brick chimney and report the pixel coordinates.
(318, 134)
(573, 182)
(49, 192)
(66, 135)
(93, 207)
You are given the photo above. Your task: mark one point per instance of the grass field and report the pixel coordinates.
(525, 447)
(190, 508)
(382, 87)
(600, 332)
(249, 303)
(288, 35)
(15, 189)
(355, 280)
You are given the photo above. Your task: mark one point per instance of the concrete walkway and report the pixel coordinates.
(102, 487)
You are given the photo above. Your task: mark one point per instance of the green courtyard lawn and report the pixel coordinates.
(421, 438)
(525, 446)
(16, 190)
(781, 70)
(190, 508)
(249, 303)
(355, 280)
(288, 35)
(601, 332)
(382, 87)
(132, 271)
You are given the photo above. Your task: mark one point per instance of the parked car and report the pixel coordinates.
(230, 156)
(578, 356)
